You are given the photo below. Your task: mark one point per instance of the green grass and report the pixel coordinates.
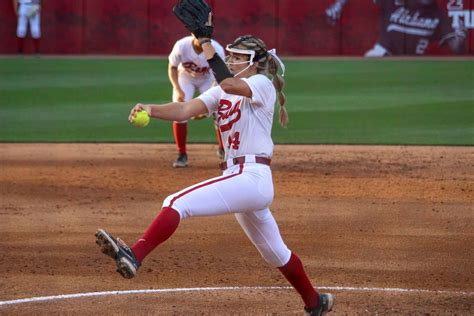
(329, 101)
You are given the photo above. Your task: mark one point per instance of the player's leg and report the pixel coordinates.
(180, 129)
(220, 150)
(36, 30)
(204, 86)
(217, 196)
(21, 27)
(128, 260)
(262, 230)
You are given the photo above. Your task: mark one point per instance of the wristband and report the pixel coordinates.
(219, 68)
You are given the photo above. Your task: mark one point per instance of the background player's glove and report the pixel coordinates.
(196, 15)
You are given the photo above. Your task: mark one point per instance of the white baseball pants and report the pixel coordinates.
(245, 190)
(28, 13)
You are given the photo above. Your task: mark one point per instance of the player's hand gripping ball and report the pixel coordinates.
(141, 119)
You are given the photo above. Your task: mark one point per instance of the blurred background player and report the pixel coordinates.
(188, 70)
(28, 12)
(408, 26)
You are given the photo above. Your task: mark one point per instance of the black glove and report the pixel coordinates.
(196, 15)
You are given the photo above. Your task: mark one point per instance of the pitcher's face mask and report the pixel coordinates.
(232, 60)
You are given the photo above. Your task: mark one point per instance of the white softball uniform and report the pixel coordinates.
(29, 12)
(246, 187)
(193, 69)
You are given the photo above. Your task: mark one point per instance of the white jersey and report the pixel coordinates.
(245, 189)
(245, 123)
(188, 61)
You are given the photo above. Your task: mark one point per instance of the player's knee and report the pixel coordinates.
(21, 32)
(35, 33)
(276, 257)
(176, 206)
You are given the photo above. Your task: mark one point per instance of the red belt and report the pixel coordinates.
(239, 160)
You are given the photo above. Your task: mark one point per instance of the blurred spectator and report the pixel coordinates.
(28, 12)
(408, 26)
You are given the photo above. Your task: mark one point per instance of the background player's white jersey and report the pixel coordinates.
(188, 61)
(245, 123)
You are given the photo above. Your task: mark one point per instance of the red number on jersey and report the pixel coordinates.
(233, 141)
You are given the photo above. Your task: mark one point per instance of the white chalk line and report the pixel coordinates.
(229, 288)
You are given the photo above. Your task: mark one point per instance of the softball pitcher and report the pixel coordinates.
(188, 71)
(29, 12)
(244, 102)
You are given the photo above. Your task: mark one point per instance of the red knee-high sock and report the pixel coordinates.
(21, 44)
(162, 227)
(219, 137)
(180, 131)
(295, 274)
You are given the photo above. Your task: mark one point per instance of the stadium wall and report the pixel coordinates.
(149, 27)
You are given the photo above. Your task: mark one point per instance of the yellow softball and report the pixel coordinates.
(141, 119)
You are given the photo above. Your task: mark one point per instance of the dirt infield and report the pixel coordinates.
(368, 222)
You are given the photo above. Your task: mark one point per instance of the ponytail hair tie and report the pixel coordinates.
(272, 52)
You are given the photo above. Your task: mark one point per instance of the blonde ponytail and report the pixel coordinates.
(278, 83)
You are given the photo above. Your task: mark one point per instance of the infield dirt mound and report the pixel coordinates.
(381, 216)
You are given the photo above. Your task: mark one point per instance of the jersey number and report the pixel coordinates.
(455, 5)
(422, 45)
(233, 141)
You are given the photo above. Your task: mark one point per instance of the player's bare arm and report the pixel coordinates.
(236, 86)
(173, 76)
(174, 111)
